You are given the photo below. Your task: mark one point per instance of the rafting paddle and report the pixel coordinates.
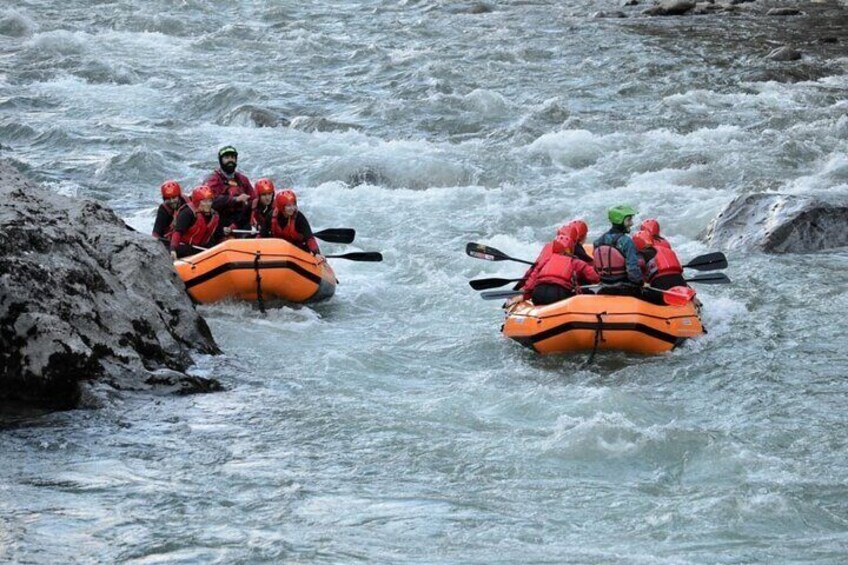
(372, 256)
(483, 284)
(487, 253)
(676, 295)
(331, 235)
(708, 262)
(498, 294)
(710, 278)
(168, 240)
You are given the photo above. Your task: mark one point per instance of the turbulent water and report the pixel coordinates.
(394, 423)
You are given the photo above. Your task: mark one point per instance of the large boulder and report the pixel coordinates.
(779, 223)
(86, 303)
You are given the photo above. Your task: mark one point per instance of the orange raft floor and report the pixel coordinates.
(620, 323)
(254, 269)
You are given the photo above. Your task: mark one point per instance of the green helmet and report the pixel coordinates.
(227, 149)
(617, 214)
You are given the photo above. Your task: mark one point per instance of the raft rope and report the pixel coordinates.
(259, 300)
(599, 337)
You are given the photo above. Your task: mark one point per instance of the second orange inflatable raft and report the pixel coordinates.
(264, 270)
(599, 322)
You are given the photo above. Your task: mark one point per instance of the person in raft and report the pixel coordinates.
(577, 230)
(653, 228)
(232, 190)
(289, 223)
(196, 224)
(560, 276)
(263, 208)
(616, 259)
(166, 215)
(662, 266)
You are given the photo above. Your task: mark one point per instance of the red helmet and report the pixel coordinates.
(563, 244)
(651, 226)
(642, 239)
(264, 186)
(201, 193)
(565, 229)
(285, 198)
(576, 229)
(581, 229)
(170, 189)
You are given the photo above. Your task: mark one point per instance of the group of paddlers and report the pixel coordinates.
(642, 265)
(225, 206)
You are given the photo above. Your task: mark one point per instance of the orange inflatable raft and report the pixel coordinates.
(591, 322)
(264, 270)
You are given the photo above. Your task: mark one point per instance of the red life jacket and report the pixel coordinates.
(257, 219)
(665, 262)
(288, 231)
(558, 270)
(661, 242)
(609, 262)
(533, 271)
(201, 231)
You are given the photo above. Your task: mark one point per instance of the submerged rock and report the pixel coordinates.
(86, 302)
(670, 8)
(311, 124)
(785, 53)
(779, 223)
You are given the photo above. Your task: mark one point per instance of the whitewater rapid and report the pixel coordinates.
(394, 423)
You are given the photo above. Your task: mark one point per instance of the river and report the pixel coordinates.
(394, 423)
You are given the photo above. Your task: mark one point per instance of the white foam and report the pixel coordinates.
(719, 315)
(58, 42)
(487, 103)
(571, 149)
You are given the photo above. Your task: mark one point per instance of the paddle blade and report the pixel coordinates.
(368, 256)
(708, 262)
(710, 278)
(336, 235)
(484, 252)
(487, 253)
(483, 284)
(500, 294)
(678, 295)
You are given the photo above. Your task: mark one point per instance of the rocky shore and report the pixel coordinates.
(88, 306)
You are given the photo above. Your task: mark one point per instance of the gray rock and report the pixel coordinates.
(670, 8)
(783, 12)
(311, 124)
(250, 115)
(265, 119)
(779, 223)
(615, 14)
(785, 53)
(85, 299)
(479, 8)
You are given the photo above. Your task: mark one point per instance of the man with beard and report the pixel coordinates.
(232, 190)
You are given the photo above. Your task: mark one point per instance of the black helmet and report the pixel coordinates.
(226, 150)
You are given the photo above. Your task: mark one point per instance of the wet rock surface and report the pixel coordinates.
(779, 223)
(87, 304)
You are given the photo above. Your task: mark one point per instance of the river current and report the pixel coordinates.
(394, 423)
